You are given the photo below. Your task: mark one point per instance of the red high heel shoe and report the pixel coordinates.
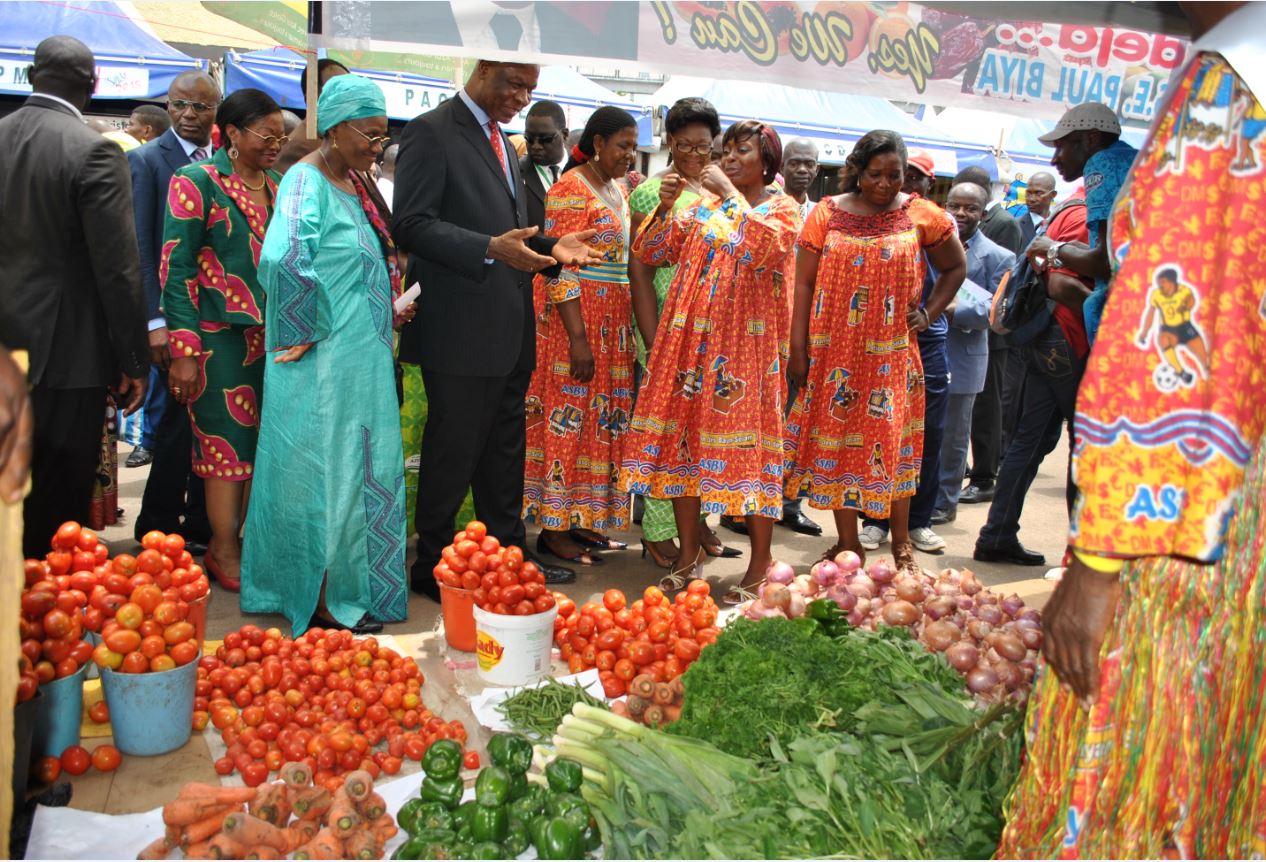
(233, 585)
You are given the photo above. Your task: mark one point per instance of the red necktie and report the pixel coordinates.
(498, 148)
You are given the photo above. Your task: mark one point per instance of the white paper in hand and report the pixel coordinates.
(408, 296)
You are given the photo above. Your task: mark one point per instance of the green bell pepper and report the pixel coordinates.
(591, 838)
(564, 775)
(517, 839)
(464, 813)
(488, 850)
(824, 611)
(409, 817)
(518, 787)
(526, 808)
(434, 815)
(536, 829)
(464, 850)
(489, 824)
(447, 791)
(443, 759)
(561, 840)
(427, 844)
(492, 787)
(559, 804)
(511, 752)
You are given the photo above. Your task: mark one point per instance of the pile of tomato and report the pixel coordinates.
(653, 635)
(502, 581)
(336, 702)
(148, 633)
(76, 760)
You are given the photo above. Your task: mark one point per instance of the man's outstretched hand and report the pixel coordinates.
(511, 248)
(571, 250)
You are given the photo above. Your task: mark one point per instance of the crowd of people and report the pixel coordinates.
(708, 341)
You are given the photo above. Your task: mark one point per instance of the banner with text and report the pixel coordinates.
(900, 51)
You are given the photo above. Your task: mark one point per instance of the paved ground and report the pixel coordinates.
(144, 783)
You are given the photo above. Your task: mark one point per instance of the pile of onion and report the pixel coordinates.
(992, 641)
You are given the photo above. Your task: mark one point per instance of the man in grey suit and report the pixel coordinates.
(173, 500)
(968, 340)
(70, 284)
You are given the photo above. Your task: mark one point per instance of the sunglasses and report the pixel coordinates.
(181, 104)
(271, 140)
(540, 139)
(374, 140)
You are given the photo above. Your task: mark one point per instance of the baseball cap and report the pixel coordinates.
(921, 160)
(1088, 116)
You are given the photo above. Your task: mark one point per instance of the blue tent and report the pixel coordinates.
(132, 63)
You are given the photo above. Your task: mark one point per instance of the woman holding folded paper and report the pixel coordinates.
(325, 536)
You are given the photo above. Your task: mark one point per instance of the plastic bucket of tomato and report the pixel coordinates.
(512, 649)
(459, 617)
(198, 617)
(151, 713)
(60, 715)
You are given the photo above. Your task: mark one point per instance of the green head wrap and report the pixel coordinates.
(348, 97)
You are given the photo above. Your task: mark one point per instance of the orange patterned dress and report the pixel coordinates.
(575, 430)
(1170, 460)
(855, 432)
(709, 417)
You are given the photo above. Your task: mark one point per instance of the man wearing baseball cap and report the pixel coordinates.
(920, 173)
(1087, 142)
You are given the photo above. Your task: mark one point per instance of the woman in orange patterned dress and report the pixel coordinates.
(707, 431)
(855, 433)
(581, 395)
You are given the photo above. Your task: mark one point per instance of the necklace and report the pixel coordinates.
(263, 182)
(333, 176)
(608, 190)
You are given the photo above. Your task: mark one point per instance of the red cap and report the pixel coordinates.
(921, 161)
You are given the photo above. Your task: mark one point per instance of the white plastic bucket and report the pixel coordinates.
(513, 650)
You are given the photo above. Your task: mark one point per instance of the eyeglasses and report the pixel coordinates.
(271, 140)
(540, 139)
(683, 149)
(181, 104)
(374, 140)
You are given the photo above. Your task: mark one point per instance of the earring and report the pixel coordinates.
(333, 142)
(233, 153)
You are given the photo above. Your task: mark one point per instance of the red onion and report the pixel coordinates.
(825, 572)
(881, 572)
(938, 607)
(804, 585)
(855, 617)
(796, 608)
(1009, 675)
(862, 591)
(848, 561)
(777, 596)
(863, 605)
(979, 629)
(945, 588)
(964, 603)
(989, 614)
(900, 613)
(980, 679)
(888, 594)
(1031, 615)
(1008, 646)
(969, 584)
(939, 636)
(779, 572)
(908, 589)
(1012, 605)
(1031, 638)
(962, 656)
(842, 597)
(986, 598)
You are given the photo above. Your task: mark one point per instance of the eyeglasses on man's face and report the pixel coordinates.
(181, 105)
(540, 139)
(374, 140)
(271, 141)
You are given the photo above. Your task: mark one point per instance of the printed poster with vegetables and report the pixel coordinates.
(902, 51)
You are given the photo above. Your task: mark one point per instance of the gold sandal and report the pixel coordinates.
(676, 579)
(737, 595)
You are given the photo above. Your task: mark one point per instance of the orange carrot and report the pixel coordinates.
(206, 828)
(373, 806)
(224, 847)
(296, 774)
(300, 832)
(343, 817)
(160, 848)
(324, 845)
(249, 831)
(263, 852)
(272, 804)
(217, 793)
(663, 694)
(359, 784)
(201, 850)
(363, 844)
(182, 812)
(672, 713)
(311, 803)
(385, 827)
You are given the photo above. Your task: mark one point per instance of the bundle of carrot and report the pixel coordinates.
(651, 703)
(345, 819)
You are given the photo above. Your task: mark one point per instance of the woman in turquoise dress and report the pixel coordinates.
(325, 533)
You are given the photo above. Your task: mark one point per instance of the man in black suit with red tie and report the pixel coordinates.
(461, 214)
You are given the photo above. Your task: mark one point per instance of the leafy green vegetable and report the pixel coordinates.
(779, 679)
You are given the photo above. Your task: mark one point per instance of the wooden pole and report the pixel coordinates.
(310, 95)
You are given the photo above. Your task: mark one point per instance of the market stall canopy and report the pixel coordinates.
(834, 121)
(132, 62)
(906, 52)
(277, 73)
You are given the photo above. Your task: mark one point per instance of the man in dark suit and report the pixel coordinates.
(545, 131)
(1039, 194)
(70, 284)
(461, 214)
(173, 501)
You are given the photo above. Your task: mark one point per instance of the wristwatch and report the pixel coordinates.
(1052, 255)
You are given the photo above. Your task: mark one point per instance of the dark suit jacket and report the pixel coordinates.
(451, 198)
(1028, 230)
(70, 284)
(536, 192)
(1002, 227)
(152, 166)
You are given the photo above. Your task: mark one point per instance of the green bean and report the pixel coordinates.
(538, 711)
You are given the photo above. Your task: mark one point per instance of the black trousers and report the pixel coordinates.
(174, 501)
(475, 437)
(986, 417)
(67, 447)
(1012, 394)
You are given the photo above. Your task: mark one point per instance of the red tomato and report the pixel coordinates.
(625, 669)
(613, 687)
(476, 531)
(512, 594)
(491, 545)
(507, 578)
(613, 600)
(224, 766)
(67, 536)
(686, 650)
(641, 653)
(256, 774)
(470, 580)
(153, 540)
(87, 540)
(106, 758)
(134, 662)
(59, 562)
(606, 660)
(76, 760)
(471, 760)
(46, 770)
(123, 641)
(173, 545)
(524, 608)
(57, 623)
(129, 615)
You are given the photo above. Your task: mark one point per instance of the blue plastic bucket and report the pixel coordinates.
(61, 714)
(151, 713)
(94, 639)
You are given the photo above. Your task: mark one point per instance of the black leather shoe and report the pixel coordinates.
(425, 587)
(553, 574)
(976, 494)
(196, 549)
(794, 519)
(945, 516)
(140, 457)
(1016, 554)
(734, 524)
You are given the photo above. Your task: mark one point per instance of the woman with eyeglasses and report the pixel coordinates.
(217, 213)
(325, 534)
(690, 126)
